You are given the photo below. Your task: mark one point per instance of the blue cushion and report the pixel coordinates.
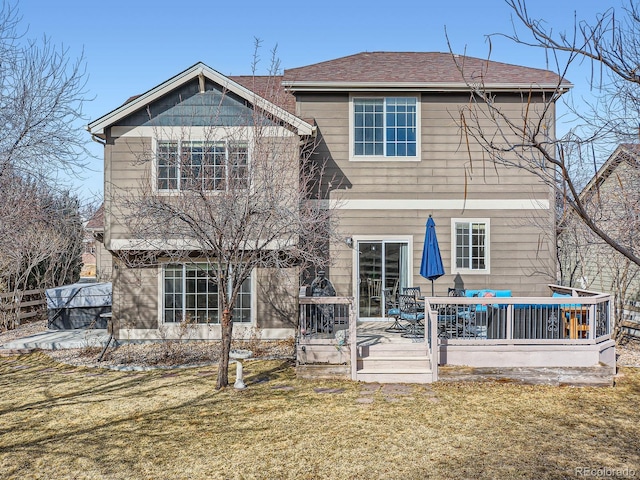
(481, 293)
(566, 305)
(503, 293)
(393, 311)
(560, 295)
(412, 316)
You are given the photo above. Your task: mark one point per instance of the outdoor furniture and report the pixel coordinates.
(410, 312)
(374, 286)
(576, 324)
(457, 321)
(431, 267)
(392, 310)
(415, 291)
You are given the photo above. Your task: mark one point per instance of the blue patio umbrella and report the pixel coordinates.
(431, 267)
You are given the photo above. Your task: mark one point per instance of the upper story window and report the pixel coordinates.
(198, 165)
(471, 245)
(385, 127)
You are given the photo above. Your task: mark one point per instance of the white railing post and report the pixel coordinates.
(431, 338)
(353, 343)
(509, 332)
(435, 348)
(592, 322)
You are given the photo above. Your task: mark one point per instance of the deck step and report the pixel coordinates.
(416, 375)
(385, 367)
(397, 363)
(392, 350)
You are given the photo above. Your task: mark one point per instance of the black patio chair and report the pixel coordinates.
(415, 291)
(410, 312)
(393, 311)
(456, 321)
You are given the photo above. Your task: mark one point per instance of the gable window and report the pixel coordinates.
(471, 245)
(191, 293)
(198, 165)
(385, 127)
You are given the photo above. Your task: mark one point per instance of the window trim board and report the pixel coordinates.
(155, 164)
(469, 271)
(161, 299)
(384, 158)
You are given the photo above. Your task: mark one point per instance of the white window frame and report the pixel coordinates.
(487, 246)
(227, 143)
(360, 158)
(161, 303)
(355, 274)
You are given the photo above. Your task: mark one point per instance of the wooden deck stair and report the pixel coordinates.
(387, 363)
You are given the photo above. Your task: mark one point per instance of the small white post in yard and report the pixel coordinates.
(238, 356)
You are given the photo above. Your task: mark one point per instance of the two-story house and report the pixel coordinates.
(386, 125)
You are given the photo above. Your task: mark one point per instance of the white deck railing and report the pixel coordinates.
(584, 317)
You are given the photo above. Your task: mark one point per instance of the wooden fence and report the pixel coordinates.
(18, 306)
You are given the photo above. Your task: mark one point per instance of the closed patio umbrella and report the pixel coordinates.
(431, 267)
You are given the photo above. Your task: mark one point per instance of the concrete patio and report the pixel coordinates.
(59, 339)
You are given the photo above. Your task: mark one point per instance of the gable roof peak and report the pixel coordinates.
(252, 94)
(625, 152)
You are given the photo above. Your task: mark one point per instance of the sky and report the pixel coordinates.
(131, 46)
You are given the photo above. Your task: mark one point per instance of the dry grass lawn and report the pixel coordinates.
(58, 421)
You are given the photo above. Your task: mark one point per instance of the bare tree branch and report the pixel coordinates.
(529, 143)
(237, 200)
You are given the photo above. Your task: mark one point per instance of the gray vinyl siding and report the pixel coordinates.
(521, 257)
(104, 263)
(126, 170)
(277, 298)
(440, 169)
(522, 242)
(135, 297)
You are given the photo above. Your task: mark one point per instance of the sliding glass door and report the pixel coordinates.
(381, 265)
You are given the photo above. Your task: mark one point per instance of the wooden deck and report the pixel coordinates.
(379, 356)
(373, 333)
(528, 340)
(388, 357)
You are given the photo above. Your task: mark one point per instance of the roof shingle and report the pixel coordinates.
(97, 221)
(270, 88)
(418, 67)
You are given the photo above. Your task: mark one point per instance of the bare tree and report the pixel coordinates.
(241, 199)
(40, 236)
(613, 200)
(612, 45)
(41, 97)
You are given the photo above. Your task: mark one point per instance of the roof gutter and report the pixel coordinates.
(95, 137)
(301, 86)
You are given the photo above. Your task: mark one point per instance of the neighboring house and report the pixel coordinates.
(612, 197)
(386, 124)
(88, 270)
(102, 257)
